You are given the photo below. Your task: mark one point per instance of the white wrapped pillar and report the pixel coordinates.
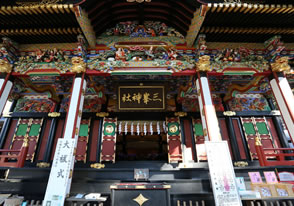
(285, 100)
(5, 88)
(208, 115)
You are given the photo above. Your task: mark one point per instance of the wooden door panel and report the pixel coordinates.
(174, 142)
(108, 140)
(199, 140)
(82, 146)
(30, 129)
(257, 127)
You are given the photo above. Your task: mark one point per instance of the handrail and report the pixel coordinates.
(280, 157)
(278, 149)
(10, 150)
(20, 157)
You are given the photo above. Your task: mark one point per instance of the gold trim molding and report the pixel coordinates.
(240, 164)
(180, 114)
(97, 166)
(43, 164)
(54, 114)
(102, 114)
(229, 113)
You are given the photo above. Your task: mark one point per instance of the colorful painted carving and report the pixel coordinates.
(249, 102)
(274, 47)
(53, 59)
(137, 56)
(192, 104)
(9, 50)
(238, 58)
(148, 29)
(34, 105)
(92, 103)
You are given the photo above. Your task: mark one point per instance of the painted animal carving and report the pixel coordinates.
(5, 66)
(281, 65)
(203, 64)
(78, 65)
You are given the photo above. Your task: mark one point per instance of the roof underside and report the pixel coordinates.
(38, 24)
(105, 14)
(254, 21)
(249, 23)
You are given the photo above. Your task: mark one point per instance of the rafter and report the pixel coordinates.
(196, 23)
(250, 8)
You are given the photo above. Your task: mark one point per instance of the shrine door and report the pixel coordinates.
(259, 127)
(30, 129)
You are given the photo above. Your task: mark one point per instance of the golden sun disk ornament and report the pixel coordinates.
(140, 199)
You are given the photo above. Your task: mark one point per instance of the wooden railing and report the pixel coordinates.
(276, 157)
(7, 160)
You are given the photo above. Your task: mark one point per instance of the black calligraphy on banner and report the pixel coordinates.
(141, 98)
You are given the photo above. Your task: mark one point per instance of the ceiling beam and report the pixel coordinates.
(196, 23)
(86, 26)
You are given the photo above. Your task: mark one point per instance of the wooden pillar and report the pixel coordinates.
(64, 157)
(285, 100)
(209, 119)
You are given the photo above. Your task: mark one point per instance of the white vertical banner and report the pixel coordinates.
(283, 106)
(5, 93)
(222, 174)
(61, 173)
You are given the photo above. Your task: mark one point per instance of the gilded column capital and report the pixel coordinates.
(281, 65)
(78, 65)
(5, 66)
(203, 65)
